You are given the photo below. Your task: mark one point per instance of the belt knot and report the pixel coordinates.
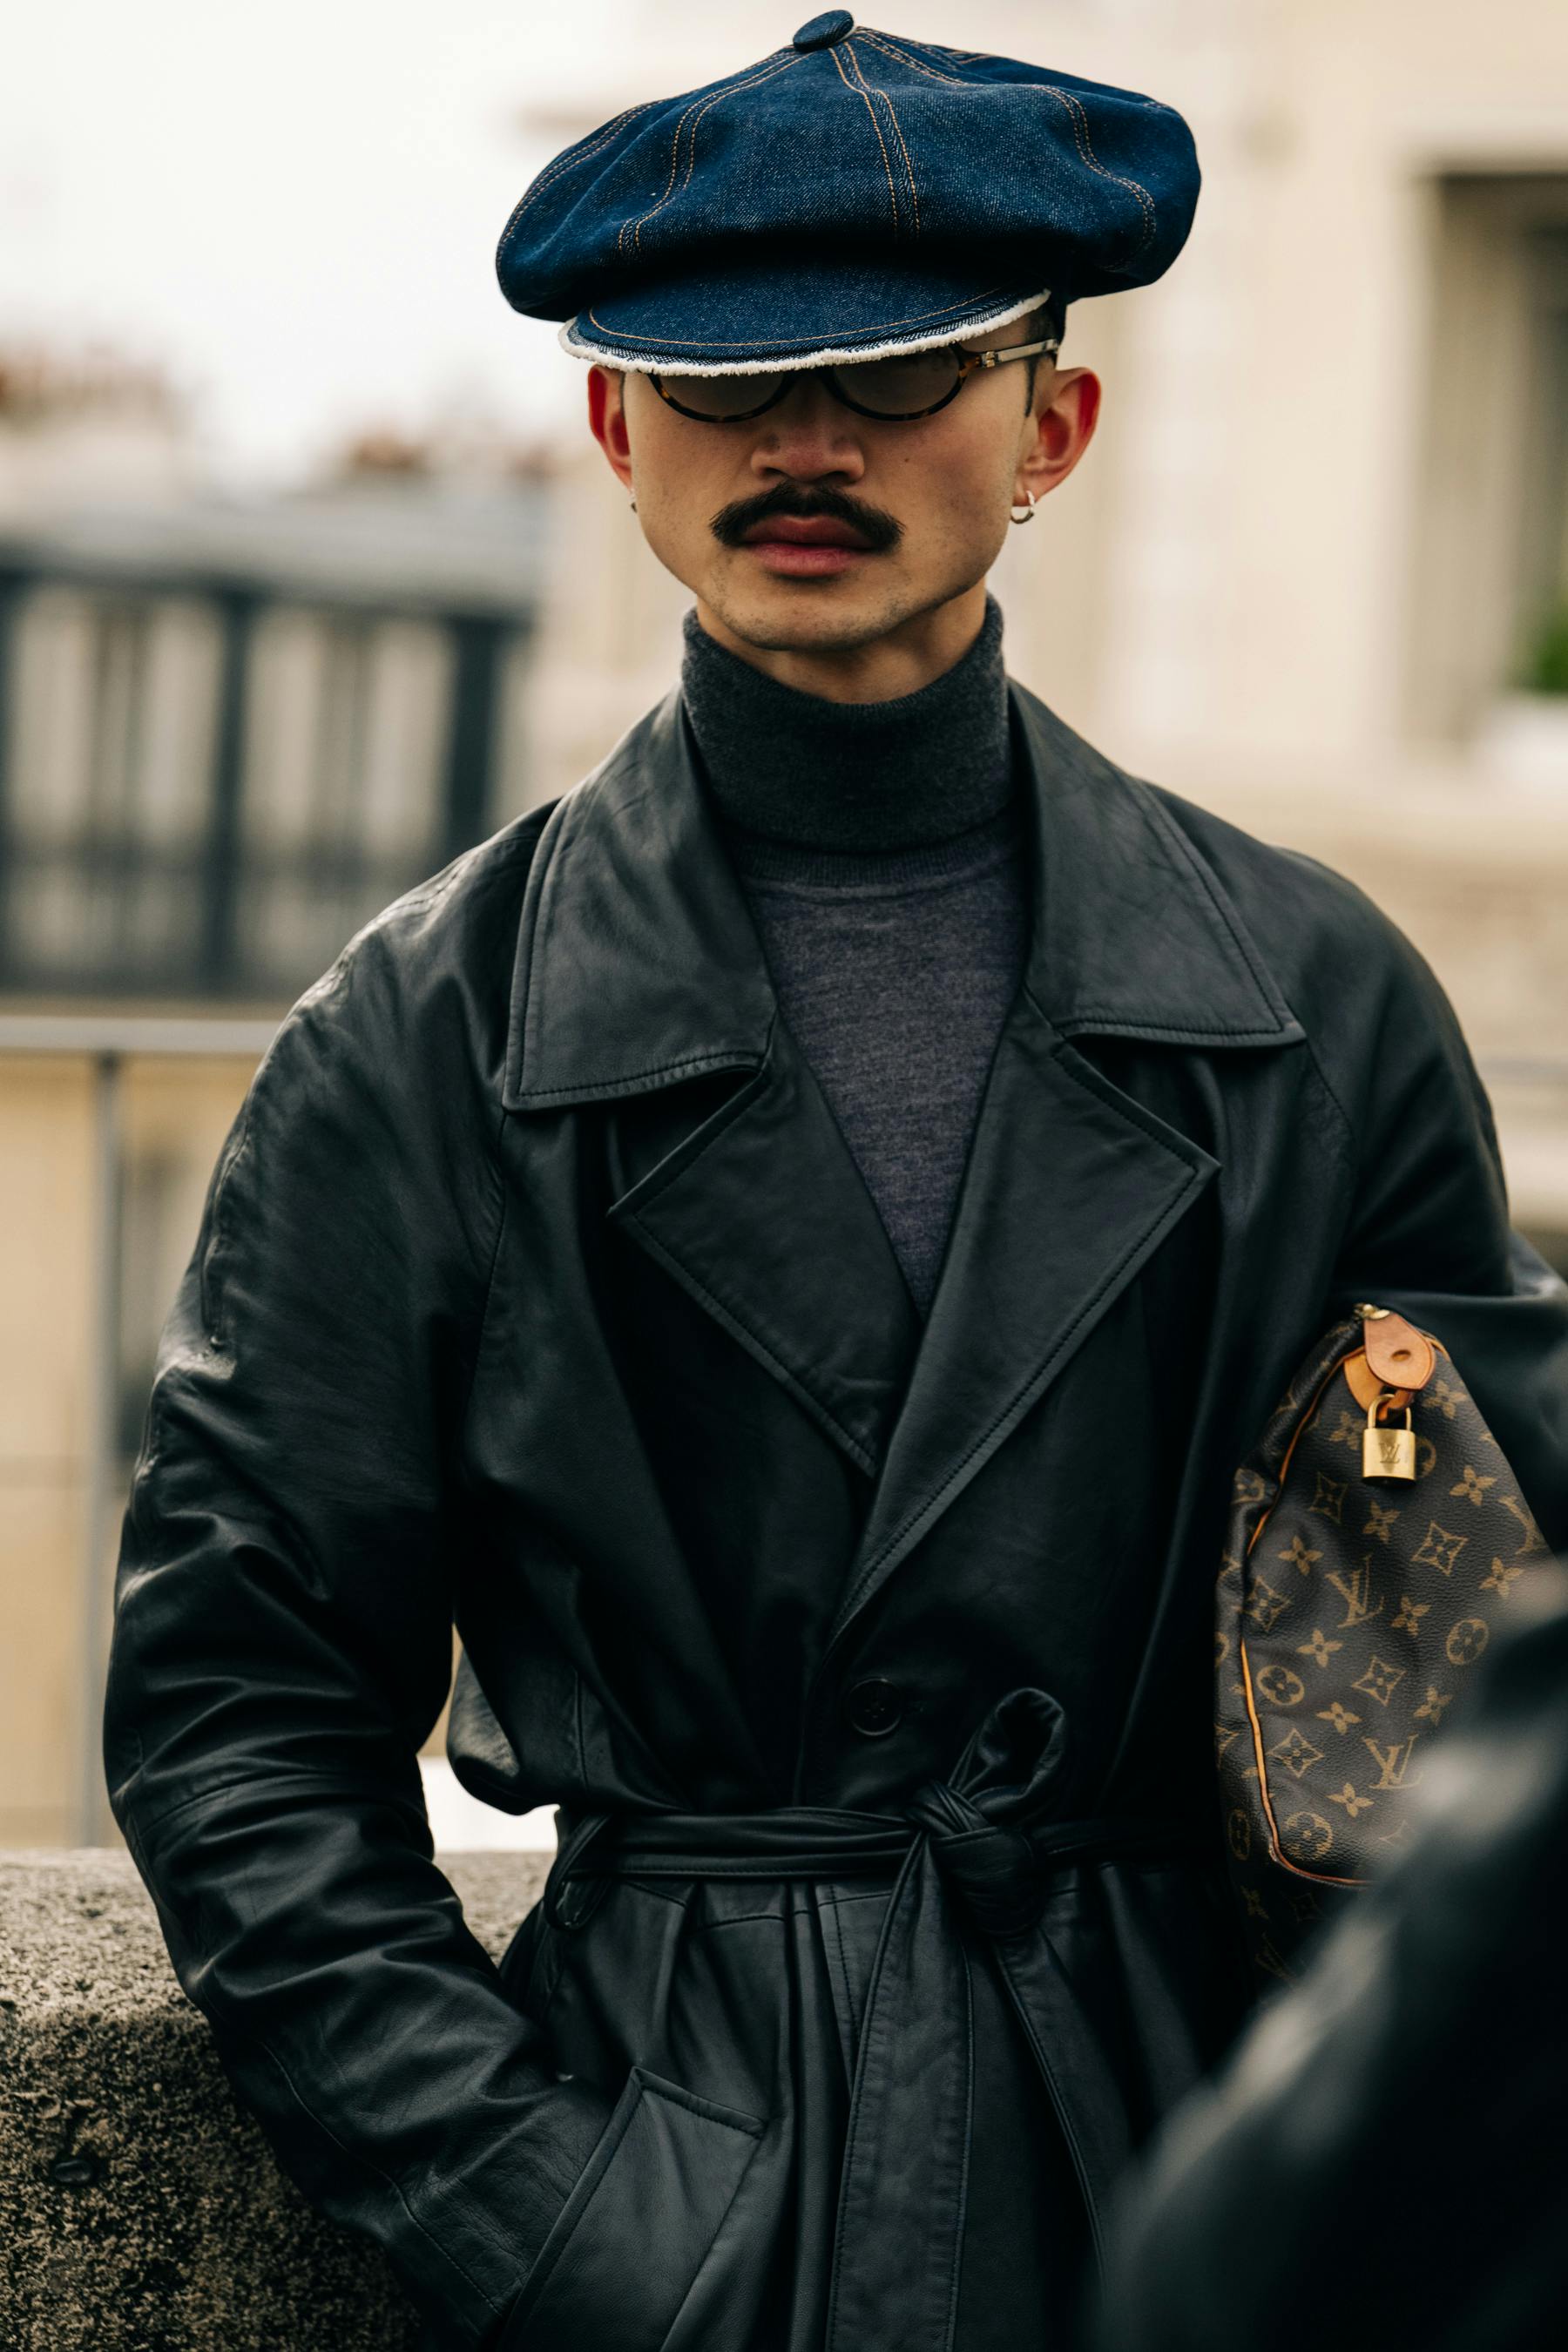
(993, 1869)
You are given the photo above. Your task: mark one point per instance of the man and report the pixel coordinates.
(784, 1247)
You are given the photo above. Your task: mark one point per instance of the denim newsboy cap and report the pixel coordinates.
(853, 193)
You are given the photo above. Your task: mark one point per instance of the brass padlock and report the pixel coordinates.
(1387, 1453)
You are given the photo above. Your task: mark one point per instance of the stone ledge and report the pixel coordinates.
(140, 2211)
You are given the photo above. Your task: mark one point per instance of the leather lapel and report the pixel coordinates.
(1068, 1188)
(763, 1217)
(1070, 1183)
(638, 968)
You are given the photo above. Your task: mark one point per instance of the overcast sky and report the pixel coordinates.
(293, 209)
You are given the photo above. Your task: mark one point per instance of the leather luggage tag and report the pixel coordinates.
(1396, 1356)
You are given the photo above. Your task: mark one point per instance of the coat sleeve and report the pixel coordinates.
(282, 1639)
(1429, 1231)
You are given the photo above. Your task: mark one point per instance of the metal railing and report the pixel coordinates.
(189, 895)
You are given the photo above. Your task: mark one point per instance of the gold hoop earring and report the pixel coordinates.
(1024, 514)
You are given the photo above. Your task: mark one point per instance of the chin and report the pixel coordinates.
(809, 616)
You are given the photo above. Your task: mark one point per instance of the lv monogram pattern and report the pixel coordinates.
(1349, 1613)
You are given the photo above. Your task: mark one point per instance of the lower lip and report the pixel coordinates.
(794, 559)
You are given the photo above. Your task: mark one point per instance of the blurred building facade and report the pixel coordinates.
(1312, 572)
(230, 732)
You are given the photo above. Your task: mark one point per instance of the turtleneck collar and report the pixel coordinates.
(794, 768)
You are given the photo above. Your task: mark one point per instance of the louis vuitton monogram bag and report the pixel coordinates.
(1376, 1534)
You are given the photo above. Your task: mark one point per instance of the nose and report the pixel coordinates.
(808, 437)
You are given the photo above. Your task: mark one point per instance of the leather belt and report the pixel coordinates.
(978, 1842)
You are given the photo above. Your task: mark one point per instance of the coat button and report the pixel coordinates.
(874, 1707)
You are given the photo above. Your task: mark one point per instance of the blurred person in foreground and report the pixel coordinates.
(784, 1248)
(1382, 2161)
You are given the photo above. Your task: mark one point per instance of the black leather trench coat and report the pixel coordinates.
(869, 1664)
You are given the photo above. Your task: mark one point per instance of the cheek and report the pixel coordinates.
(678, 490)
(968, 487)
(674, 532)
(668, 486)
(665, 449)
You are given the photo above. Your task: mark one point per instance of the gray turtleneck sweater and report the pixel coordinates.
(884, 857)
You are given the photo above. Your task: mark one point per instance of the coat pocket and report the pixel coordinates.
(628, 2243)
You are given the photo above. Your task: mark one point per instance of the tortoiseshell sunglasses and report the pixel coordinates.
(896, 390)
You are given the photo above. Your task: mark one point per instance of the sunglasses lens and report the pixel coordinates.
(890, 387)
(900, 387)
(717, 397)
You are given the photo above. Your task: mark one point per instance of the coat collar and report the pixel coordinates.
(638, 965)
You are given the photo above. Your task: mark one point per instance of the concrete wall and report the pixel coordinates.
(140, 2211)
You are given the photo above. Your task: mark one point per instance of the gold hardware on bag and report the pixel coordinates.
(1387, 1453)
(1401, 1356)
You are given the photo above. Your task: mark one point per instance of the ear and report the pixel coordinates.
(607, 420)
(1058, 431)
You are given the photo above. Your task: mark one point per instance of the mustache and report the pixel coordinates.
(879, 530)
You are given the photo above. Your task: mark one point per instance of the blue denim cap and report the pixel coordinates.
(852, 194)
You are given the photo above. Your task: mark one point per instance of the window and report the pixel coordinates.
(1491, 536)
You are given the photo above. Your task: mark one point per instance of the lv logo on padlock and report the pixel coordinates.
(1386, 1452)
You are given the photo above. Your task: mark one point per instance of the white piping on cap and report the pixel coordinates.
(581, 348)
